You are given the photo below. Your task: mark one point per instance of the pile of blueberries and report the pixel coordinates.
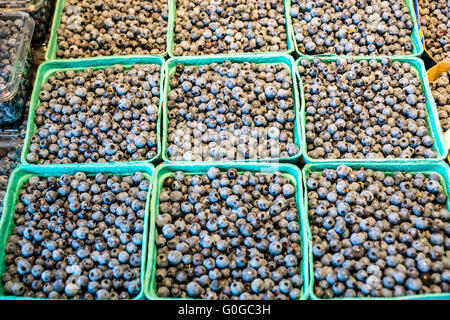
(364, 109)
(377, 234)
(77, 237)
(231, 26)
(9, 159)
(441, 94)
(10, 35)
(435, 26)
(231, 111)
(106, 115)
(91, 28)
(39, 10)
(228, 235)
(354, 27)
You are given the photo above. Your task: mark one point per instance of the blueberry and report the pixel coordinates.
(413, 284)
(71, 290)
(257, 286)
(290, 260)
(134, 287)
(275, 248)
(249, 274)
(169, 231)
(222, 261)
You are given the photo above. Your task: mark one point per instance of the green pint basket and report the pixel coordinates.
(171, 32)
(433, 124)
(415, 37)
(53, 41)
(442, 169)
(269, 58)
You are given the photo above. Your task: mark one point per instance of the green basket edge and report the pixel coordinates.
(52, 47)
(49, 67)
(171, 33)
(267, 58)
(289, 169)
(22, 174)
(434, 126)
(441, 168)
(415, 37)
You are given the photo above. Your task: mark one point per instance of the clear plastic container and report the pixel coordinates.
(39, 10)
(16, 62)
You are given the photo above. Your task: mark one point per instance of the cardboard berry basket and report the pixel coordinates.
(171, 31)
(433, 124)
(441, 168)
(56, 22)
(165, 170)
(415, 37)
(268, 58)
(432, 75)
(47, 69)
(24, 172)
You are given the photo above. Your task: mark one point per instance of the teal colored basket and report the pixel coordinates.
(289, 32)
(166, 170)
(442, 169)
(430, 61)
(53, 41)
(47, 69)
(416, 9)
(24, 172)
(433, 123)
(268, 58)
(415, 37)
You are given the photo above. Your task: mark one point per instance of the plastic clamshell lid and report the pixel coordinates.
(25, 5)
(9, 89)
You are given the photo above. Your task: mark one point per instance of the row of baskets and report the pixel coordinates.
(413, 6)
(157, 176)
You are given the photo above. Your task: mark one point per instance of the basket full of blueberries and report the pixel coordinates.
(224, 150)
